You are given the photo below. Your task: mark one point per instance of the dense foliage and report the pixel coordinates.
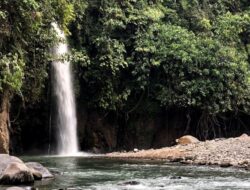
(155, 54)
(133, 56)
(25, 39)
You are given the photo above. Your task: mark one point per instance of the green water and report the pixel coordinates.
(102, 174)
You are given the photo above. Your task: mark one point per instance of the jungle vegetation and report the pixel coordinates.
(131, 56)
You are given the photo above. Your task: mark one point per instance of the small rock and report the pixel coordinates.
(211, 163)
(219, 139)
(131, 183)
(16, 173)
(225, 164)
(136, 150)
(188, 139)
(189, 158)
(188, 162)
(175, 159)
(175, 177)
(243, 136)
(201, 162)
(184, 162)
(243, 162)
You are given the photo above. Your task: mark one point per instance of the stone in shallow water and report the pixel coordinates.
(131, 183)
(225, 164)
(175, 177)
(39, 168)
(16, 173)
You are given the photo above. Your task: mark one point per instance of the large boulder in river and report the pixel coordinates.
(187, 139)
(16, 173)
(6, 159)
(39, 168)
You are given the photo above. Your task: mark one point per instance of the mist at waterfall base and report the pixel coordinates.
(65, 119)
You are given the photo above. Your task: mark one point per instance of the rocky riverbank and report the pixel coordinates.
(13, 171)
(223, 152)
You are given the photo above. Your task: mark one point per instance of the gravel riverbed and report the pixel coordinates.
(233, 152)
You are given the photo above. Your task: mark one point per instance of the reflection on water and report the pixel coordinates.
(100, 174)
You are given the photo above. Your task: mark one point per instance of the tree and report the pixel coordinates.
(144, 56)
(25, 39)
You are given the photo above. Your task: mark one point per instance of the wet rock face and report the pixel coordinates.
(102, 133)
(187, 139)
(99, 134)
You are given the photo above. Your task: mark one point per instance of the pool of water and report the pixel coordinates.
(103, 174)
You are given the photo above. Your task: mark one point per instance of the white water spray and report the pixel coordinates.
(67, 143)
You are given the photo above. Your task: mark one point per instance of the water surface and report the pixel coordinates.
(102, 174)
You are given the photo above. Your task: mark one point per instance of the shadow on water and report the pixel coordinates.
(96, 173)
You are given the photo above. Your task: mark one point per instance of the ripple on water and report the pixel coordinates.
(167, 183)
(101, 174)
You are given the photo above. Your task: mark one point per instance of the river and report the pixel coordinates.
(104, 174)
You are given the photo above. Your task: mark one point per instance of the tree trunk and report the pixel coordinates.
(4, 122)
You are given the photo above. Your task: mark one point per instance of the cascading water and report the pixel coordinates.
(66, 122)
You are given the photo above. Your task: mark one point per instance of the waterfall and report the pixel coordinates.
(67, 143)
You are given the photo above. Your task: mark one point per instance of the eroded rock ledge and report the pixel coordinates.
(13, 171)
(223, 152)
